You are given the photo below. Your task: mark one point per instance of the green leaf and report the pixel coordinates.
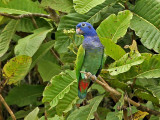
(21, 7)
(115, 27)
(30, 44)
(155, 91)
(6, 36)
(146, 25)
(145, 95)
(83, 6)
(26, 24)
(32, 115)
(111, 49)
(114, 115)
(71, 20)
(43, 49)
(125, 63)
(16, 68)
(60, 5)
(48, 69)
(68, 101)
(32, 92)
(98, 87)
(148, 69)
(86, 112)
(60, 85)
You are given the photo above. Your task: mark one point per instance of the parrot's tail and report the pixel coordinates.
(82, 88)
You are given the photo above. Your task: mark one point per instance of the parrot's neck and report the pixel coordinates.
(90, 34)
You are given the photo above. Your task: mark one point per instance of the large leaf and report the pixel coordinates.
(125, 63)
(26, 24)
(147, 96)
(71, 20)
(60, 5)
(43, 49)
(83, 6)
(146, 23)
(60, 85)
(21, 7)
(115, 27)
(30, 44)
(48, 69)
(32, 92)
(68, 101)
(6, 36)
(32, 115)
(16, 69)
(111, 49)
(150, 68)
(155, 91)
(86, 112)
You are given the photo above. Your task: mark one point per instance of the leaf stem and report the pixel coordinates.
(7, 107)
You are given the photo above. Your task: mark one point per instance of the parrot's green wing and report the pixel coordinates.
(79, 60)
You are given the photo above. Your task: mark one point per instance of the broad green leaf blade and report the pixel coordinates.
(115, 27)
(111, 49)
(114, 115)
(125, 63)
(146, 23)
(30, 44)
(21, 7)
(7, 35)
(150, 68)
(145, 95)
(32, 92)
(71, 20)
(83, 6)
(26, 24)
(16, 68)
(155, 91)
(60, 85)
(32, 115)
(43, 49)
(60, 5)
(68, 101)
(86, 112)
(48, 69)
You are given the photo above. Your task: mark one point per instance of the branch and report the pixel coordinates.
(7, 107)
(25, 15)
(118, 94)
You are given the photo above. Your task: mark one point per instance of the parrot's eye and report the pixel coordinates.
(83, 24)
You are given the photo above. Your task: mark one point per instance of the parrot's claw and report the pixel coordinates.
(95, 78)
(88, 75)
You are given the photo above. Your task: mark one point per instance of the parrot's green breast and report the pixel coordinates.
(92, 60)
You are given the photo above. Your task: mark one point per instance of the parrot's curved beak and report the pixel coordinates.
(79, 31)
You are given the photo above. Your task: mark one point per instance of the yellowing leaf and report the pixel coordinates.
(139, 115)
(16, 69)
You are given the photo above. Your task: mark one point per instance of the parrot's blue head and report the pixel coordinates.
(85, 29)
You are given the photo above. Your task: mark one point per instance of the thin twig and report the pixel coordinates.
(130, 109)
(118, 94)
(34, 22)
(25, 15)
(7, 107)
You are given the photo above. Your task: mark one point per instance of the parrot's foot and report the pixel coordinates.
(90, 76)
(94, 78)
(87, 75)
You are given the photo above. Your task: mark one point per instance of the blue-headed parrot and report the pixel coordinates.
(89, 57)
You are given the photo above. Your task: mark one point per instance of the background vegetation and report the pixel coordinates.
(38, 48)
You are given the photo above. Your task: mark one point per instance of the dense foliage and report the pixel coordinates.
(38, 49)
